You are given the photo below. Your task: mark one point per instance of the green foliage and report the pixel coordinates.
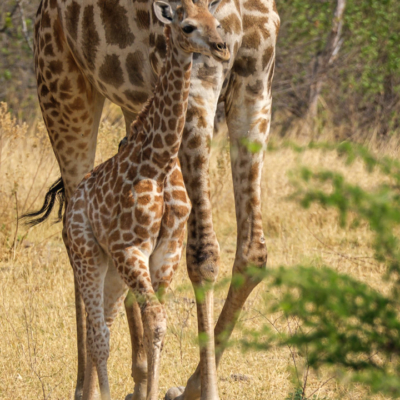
(299, 395)
(7, 74)
(17, 78)
(296, 395)
(380, 208)
(344, 323)
(365, 79)
(251, 146)
(374, 27)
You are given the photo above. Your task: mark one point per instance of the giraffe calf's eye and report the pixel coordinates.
(189, 28)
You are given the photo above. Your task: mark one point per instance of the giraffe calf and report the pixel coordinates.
(125, 223)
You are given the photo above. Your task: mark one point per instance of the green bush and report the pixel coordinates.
(345, 323)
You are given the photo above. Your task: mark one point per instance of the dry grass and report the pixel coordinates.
(38, 355)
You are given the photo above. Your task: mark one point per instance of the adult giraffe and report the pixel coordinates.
(89, 50)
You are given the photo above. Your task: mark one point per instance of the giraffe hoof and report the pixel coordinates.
(131, 396)
(174, 393)
(138, 394)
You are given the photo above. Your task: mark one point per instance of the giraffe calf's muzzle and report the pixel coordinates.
(220, 52)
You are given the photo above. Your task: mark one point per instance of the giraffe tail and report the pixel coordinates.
(56, 192)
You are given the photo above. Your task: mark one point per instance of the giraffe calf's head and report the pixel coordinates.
(194, 28)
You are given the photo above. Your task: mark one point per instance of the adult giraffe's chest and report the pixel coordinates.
(119, 46)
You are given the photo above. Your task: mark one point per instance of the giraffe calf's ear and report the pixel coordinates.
(163, 12)
(213, 5)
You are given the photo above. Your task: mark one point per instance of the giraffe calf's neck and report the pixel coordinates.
(156, 135)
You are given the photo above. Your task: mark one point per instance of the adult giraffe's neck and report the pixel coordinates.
(164, 116)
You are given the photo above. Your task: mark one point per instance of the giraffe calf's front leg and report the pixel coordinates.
(155, 324)
(133, 267)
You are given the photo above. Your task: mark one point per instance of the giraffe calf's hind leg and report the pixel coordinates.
(90, 266)
(139, 356)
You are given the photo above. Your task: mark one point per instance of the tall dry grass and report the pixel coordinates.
(37, 328)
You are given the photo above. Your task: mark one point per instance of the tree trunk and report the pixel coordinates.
(324, 59)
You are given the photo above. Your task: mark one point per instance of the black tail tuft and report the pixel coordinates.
(56, 192)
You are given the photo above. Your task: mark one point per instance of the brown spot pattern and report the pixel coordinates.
(143, 19)
(134, 66)
(115, 23)
(111, 72)
(90, 37)
(72, 19)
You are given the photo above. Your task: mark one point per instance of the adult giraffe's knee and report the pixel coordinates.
(255, 254)
(202, 250)
(251, 249)
(202, 254)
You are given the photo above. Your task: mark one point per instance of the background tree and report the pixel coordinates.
(362, 87)
(361, 82)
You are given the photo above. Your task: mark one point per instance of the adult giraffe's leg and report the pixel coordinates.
(248, 111)
(247, 124)
(202, 251)
(72, 172)
(81, 166)
(87, 159)
(71, 109)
